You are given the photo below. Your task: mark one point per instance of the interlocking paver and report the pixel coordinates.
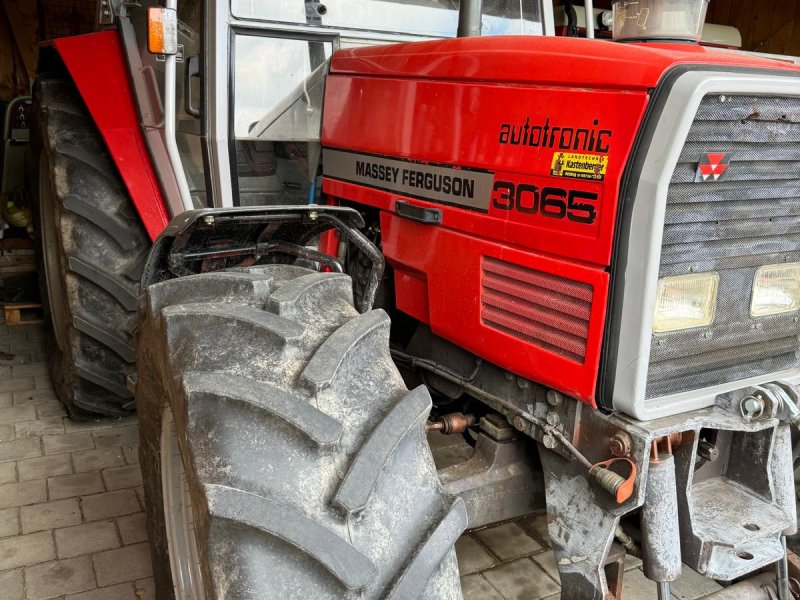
(23, 493)
(133, 528)
(472, 556)
(70, 442)
(117, 436)
(140, 496)
(11, 584)
(97, 459)
(131, 453)
(86, 539)
(50, 409)
(8, 472)
(122, 477)
(475, 587)
(145, 589)
(42, 382)
(123, 591)
(128, 563)
(636, 585)
(59, 577)
(536, 526)
(521, 580)
(110, 504)
(91, 425)
(23, 550)
(17, 449)
(37, 368)
(547, 561)
(692, 585)
(508, 541)
(19, 384)
(7, 432)
(44, 466)
(34, 396)
(49, 515)
(14, 414)
(9, 522)
(69, 486)
(49, 426)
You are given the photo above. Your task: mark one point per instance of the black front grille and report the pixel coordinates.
(749, 217)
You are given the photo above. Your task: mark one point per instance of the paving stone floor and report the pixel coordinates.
(72, 525)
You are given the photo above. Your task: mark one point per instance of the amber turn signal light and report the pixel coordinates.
(162, 31)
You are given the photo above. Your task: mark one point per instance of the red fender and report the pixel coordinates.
(97, 66)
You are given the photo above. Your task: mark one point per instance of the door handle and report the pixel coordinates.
(192, 69)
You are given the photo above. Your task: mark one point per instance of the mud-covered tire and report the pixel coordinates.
(92, 249)
(304, 453)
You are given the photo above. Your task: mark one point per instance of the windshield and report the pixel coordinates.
(416, 17)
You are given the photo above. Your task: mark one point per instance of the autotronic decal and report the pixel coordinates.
(547, 135)
(579, 166)
(437, 183)
(712, 166)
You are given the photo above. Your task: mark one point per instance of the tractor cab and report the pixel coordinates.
(248, 80)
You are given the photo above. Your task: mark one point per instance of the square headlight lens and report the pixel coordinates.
(776, 290)
(685, 302)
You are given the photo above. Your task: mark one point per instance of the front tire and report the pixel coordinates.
(307, 468)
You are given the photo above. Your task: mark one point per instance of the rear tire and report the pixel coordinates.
(308, 471)
(92, 252)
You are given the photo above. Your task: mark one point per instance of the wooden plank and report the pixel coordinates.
(22, 313)
(762, 25)
(719, 12)
(793, 46)
(744, 19)
(783, 23)
(17, 262)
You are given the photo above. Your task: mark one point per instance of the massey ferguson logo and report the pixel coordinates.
(712, 166)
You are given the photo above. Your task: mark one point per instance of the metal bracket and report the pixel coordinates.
(497, 482)
(200, 241)
(105, 12)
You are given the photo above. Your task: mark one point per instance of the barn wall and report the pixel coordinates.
(62, 18)
(766, 25)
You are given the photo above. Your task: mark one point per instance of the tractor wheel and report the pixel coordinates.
(92, 249)
(283, 456)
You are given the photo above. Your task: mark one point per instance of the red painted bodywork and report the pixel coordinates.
(444, 102)
(97, 66)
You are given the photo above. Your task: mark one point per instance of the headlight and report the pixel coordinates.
(685, 301)
(776, 289)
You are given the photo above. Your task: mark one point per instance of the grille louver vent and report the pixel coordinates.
(748, 218)
(542, 309)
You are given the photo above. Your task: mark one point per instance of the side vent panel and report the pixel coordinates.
(539, 308)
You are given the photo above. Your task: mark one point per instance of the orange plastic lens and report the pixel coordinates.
(162, 33)
(155, 30)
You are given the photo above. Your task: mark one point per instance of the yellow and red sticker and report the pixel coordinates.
(579, 166)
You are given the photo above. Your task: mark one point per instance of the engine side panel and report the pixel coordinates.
(525, 180)
(98, 68)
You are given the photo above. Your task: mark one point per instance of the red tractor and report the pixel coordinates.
(582, 255)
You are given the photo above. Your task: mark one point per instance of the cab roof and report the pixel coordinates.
(541, 60)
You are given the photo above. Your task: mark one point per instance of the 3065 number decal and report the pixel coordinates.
(551, 202)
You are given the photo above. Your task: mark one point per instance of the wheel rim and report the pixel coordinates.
(187, 577)
(55, 296)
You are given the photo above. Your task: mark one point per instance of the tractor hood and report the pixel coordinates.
(540, 60)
